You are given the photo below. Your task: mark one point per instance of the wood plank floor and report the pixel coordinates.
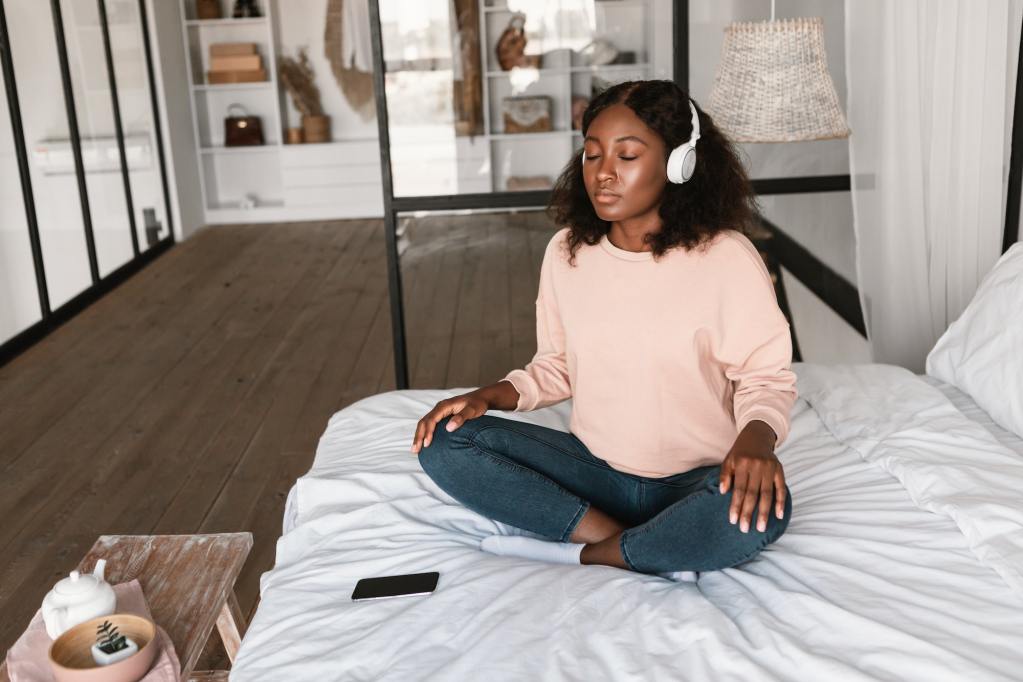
(191, 397)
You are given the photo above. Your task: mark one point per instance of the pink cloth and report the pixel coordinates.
(665, 361)
(28, 660)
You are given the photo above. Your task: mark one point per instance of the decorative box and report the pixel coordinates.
(530, 114)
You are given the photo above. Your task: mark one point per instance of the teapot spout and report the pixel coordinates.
(101, 565)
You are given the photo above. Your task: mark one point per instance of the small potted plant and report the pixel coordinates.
(299, 80)
(111, 646)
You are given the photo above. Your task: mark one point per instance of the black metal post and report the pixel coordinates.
(18, 132)
(155, 104)
(680, 44)
(76, 141)
(118, 129)
(1011, 232)
(390, 226)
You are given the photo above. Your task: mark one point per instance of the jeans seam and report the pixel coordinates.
(602, 467)
(567, 533)
(625, 554)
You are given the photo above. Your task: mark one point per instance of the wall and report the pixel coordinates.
(175, 115)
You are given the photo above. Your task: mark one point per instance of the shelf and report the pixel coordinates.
(529, 136)
(246, 149)
(224, 87)
(556, 70)
(250, 21)
(497, 9)
(262, 206)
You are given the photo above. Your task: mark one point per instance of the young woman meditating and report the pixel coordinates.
(657, 316)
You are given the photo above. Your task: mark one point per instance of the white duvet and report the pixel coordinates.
(903, 560)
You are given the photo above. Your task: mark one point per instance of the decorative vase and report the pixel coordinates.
(316, 128)
(294, 135)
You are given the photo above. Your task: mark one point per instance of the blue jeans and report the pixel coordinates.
(544, 480)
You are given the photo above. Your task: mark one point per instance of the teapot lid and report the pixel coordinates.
(76, 584)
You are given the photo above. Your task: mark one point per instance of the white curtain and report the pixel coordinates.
(930, 93)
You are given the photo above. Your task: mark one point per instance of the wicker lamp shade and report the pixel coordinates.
(773, 83)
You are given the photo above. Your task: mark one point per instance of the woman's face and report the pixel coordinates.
(624, 170)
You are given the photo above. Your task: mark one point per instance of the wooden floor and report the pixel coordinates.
(191, 397)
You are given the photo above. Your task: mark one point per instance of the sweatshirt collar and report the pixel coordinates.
(622, 253)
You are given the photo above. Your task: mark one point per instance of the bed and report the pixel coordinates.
(903, 560)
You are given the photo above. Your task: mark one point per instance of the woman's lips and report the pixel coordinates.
(606, 197)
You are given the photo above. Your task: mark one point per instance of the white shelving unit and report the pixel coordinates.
(341, 179)
(289, 181)
(628, 24)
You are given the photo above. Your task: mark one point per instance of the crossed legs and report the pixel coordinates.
(547, 482)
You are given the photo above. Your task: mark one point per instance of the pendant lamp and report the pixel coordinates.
(773, 83)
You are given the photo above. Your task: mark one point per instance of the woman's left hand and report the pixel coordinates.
(757, 473)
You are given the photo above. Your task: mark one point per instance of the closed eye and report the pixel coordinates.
(627, 158)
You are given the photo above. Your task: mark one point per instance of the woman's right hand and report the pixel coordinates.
(461, 407)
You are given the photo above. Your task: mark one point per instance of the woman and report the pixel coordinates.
(656, 315)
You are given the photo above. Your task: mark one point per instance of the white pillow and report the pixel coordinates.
(981, 353)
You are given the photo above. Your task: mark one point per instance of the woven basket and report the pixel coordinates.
(773, 83)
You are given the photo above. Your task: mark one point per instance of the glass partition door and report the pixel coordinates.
(82, 186)
(484, 96)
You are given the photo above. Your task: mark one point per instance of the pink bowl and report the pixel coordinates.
(71, 658)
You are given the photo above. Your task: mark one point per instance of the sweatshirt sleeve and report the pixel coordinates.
(545, 380)
(754, 342)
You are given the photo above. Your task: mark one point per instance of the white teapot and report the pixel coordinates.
(76, 599)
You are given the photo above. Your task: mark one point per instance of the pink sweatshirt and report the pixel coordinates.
(665, 361)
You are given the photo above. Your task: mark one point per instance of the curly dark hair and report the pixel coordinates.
(718, 196)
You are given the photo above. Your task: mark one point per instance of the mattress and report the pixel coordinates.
(903, 560)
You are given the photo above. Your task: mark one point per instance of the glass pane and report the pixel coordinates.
(471, 109)
(707, 22)
(137, 121)
(470, 283)
(91, 86)
(822, 223)
(44, 117)
(19, 299)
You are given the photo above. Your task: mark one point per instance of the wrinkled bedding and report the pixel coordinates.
(903, 560)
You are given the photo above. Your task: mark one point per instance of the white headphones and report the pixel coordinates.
(682, 160)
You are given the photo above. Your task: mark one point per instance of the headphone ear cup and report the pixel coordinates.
(676, 164)
(688, 164)
(681, 163)
(673, 166)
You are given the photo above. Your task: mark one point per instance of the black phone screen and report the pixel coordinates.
(395, 585)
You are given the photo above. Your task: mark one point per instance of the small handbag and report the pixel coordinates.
(240, 129)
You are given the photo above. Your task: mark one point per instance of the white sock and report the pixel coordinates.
(529, 548)
(681, 576)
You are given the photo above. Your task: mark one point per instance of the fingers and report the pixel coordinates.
(779, 485)
(749, 500)
(764, 507)
(424, 429)
(738, 493)
(460, 411)
(456, 420)
(725, 476)
(417, 436)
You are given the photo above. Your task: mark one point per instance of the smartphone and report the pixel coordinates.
(395, 585)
